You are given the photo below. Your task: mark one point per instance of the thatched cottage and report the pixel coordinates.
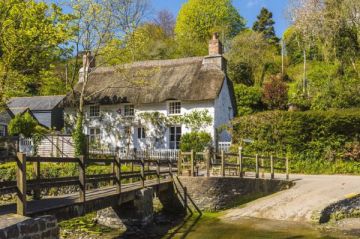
(117, 96)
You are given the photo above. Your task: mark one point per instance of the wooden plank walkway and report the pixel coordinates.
(52, 203)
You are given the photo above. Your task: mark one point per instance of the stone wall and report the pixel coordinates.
(18, 227)
(217, 193)
(347, 208)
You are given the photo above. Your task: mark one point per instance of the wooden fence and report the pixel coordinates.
(142, 169)
(230, 164)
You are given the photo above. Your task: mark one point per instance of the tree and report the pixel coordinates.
(199, 19)
(96, 24)
(265, 25)
(248, 99)
(275, 93)
(250, 57)
(30, 35)
(166, 21)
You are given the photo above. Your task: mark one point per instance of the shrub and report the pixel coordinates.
(248, 99)
(23, 124)
(196, 141)
(275, 93)
(313, 138)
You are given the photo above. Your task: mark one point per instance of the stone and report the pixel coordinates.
(12, 232)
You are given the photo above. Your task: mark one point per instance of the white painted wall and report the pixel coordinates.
(224, 112)
(219, 109)
(109, 136)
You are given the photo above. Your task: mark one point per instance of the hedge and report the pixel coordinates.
(315, 141)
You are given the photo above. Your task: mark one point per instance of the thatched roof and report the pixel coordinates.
(153, 81)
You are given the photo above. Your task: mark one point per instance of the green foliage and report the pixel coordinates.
(265, 24)
(324, 137)
(34, 32)
(250, 58)
(80, 142)
(248, 99)
(23, 124)
(199, 19)
(197, 141)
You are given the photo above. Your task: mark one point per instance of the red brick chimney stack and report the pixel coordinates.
(215, 46)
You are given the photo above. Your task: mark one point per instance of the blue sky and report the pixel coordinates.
(248, 9)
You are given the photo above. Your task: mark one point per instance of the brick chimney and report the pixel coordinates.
(215, 58)
(215, 46)
(88, 64)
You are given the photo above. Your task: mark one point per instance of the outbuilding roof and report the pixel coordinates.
(34, 103)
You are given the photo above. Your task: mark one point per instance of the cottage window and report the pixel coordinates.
(95, 135)
(174, 108)
(94, 111)
(129, 110)
(175, 135)
(2, 130)
(141, 133)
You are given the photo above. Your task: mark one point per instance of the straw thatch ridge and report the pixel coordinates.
(186, 79)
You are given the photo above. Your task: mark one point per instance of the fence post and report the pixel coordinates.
(82, 168)
(179, 164)
(257, 166)
(112, 165)
(192, 163)
(142, 170)
(272, 167)
(262, 167)
(158, 169)
(185, 198)
(118, 173)
(240, 163)
(222, 163)
(21, 184)
(37, 191)
(287, 168)
(207, 158)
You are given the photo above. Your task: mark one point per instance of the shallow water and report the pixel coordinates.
(209, 227)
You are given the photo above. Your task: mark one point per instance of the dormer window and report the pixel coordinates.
(174, 108)
(94, 110)
(129, 110)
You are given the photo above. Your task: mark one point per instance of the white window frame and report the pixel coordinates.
(95, 136)
(176, 133)
(172, 107)
(94, 113)
(129, 110)
(141, 133)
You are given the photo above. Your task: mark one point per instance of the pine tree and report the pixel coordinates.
(265, 25)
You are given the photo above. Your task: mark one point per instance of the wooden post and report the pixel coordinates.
(37, 191)
(185, 198)
(192, 160)
(112, 165)
(262, 167)
(179, 164)
(158, 169)
(240, 163)
(170, 166)
(207, 158)
(21, 184)
(222, 163)
(272, 167)
(287, 168)
(257, 166)
(142, 170)
(118, 173)
(82, 179)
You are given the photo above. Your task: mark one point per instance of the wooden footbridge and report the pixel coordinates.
(155, 172)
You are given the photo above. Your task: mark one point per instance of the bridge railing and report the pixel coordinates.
(231, 164)
(142, 169)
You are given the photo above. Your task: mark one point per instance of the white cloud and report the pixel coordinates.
(252, 3)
